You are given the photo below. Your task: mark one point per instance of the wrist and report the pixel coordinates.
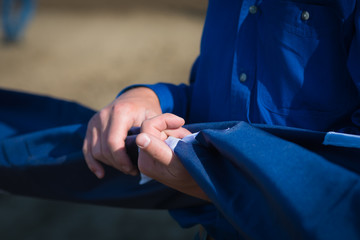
(161, 91)
(144, 97)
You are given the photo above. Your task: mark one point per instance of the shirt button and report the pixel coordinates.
(253, 9)
(242, 77)
(305, 15)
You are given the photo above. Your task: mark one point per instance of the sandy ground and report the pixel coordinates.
(88, 55)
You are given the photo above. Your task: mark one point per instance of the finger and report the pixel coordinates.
(102, 149)
(177, 133)
(161, 155)
(155, 126)
(92, 164)
(96, 148)
(159, 162)
(118, 127)
(93, 136)
(94, 131)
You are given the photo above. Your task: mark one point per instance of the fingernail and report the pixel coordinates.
(98, 173)
(143, 141)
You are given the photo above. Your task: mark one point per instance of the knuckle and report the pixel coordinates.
(102, 114)
(112, 143)
(146, 124)
(94, 119)
(97, 154)
(121, 107)
(166, 115)
(92, 124)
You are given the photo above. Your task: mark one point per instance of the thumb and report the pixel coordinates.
(154, 147)
(155, 156)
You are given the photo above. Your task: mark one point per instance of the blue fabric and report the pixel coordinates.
(300, 73)
(41, 156)
(265, 182)
(267, 66)
(15, 15)
(264, 62)
(273, 183)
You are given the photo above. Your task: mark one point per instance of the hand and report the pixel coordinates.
(107, 130)
(158, 161)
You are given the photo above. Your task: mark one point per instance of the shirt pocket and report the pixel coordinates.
(301, 59)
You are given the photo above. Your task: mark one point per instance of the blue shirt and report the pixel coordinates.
(290, 63)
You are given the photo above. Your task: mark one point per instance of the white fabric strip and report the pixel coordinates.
(342, 140)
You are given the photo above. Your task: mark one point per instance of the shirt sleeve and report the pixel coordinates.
(173, 98)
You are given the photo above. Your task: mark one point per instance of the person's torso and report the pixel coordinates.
(275, 62)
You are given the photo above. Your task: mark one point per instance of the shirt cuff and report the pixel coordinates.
(161, 90)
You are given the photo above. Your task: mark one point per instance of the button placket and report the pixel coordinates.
(253, 9)
(244, 60)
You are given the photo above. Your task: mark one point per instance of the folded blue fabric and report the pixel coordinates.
(271, 182)
(265, 182)
(41, 156)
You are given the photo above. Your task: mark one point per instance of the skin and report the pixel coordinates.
(158, 161)
(107, 130)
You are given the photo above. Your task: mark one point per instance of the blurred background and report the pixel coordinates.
(87, 51)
